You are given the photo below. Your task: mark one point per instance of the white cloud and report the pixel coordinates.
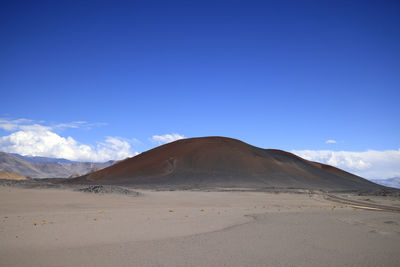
(8, 126)
(78, 124)
(330, 141)
(74, 124)
(40, 140)
(22, 124)
(367, 164)
(12, 125)
(166, 138)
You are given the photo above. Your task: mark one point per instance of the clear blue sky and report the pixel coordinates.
(276, 74)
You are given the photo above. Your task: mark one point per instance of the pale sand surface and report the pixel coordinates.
(186, 228)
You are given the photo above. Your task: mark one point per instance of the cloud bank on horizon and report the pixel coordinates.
(35, 139)
(367, 164)
(30, 138)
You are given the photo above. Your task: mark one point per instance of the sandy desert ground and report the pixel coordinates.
(50, 227)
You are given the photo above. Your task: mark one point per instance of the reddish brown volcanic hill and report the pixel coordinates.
(224, 162)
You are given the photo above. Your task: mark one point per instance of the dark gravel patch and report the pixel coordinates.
(108, 189)
(30, 184)
(392, 192)
(46, 184)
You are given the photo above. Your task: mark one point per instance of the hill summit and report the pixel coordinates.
(224, 162)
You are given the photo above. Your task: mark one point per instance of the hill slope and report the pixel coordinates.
(11, 176)
(224, 162)
(47, 169)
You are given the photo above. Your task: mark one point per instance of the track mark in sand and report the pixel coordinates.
(391, 222)
(355, 204)
(365, 208)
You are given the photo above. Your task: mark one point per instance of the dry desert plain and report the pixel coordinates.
(53, 227)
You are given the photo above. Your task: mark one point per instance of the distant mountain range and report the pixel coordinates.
(43, 159)
(42, 167)
(391, 182)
